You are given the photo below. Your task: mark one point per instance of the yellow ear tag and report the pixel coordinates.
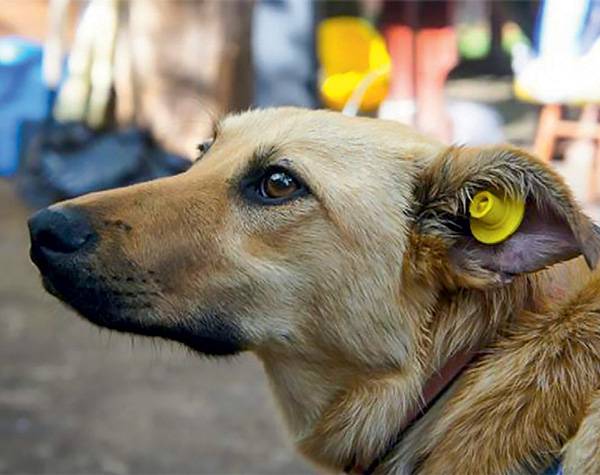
(494, 219)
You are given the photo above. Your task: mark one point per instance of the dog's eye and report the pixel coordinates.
(277, 186)
(274, 185)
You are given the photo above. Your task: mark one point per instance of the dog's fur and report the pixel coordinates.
(356, 293)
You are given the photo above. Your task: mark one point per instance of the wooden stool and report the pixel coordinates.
(552, 126)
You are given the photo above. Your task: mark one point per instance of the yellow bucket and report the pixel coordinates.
(352, 55)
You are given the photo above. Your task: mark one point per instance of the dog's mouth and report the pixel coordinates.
(209, 333)
(128, 303)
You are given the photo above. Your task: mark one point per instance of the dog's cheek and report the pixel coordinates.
(235, 311)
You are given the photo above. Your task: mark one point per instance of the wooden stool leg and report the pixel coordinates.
(546, 133)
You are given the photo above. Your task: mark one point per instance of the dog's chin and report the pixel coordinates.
(208, 333)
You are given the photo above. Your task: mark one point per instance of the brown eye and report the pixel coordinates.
(279, 185)
(274, 186)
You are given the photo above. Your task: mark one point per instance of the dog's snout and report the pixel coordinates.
(60, 229)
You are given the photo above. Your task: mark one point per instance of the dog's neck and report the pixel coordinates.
(434, 390)
(338, 417)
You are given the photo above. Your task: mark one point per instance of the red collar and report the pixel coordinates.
(432, 391)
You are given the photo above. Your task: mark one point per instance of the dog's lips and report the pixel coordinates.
(209, 333)
(212, 335)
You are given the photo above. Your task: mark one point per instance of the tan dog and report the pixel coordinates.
(338, 250)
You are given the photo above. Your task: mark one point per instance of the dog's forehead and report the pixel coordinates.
(282, 128)
(295, 128)
(319, 144)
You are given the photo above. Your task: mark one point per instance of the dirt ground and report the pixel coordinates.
(78, 400)
(74, 399)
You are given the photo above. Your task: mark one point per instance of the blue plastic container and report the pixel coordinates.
(23, 95)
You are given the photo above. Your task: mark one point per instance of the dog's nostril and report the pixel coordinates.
(60, 229)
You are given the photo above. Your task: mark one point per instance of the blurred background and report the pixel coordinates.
(104, 93)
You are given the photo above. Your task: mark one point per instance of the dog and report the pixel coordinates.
(338, 250)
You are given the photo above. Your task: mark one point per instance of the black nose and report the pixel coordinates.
(61, 229)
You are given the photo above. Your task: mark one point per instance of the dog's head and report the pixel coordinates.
(303, 232)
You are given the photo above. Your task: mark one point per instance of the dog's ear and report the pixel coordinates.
(553, 229)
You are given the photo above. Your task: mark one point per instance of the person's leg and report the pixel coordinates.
(436, 56)
(398, 26)
(399, 31)
(422, 44)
